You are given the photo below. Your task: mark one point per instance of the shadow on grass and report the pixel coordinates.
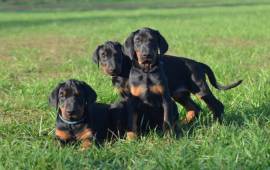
(239, 118)
(236, 117)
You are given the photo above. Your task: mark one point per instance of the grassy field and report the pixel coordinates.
(40, 49)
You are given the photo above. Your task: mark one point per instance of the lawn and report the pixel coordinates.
(40, 48)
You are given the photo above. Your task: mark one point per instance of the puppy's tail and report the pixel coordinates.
(213, 81)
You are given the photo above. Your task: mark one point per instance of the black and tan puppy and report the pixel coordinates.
(79, 118)
(184, 75)
(143, 44)
(147, 81)
(109, 56)
(157, 98)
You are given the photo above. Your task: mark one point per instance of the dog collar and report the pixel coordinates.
(72, 122)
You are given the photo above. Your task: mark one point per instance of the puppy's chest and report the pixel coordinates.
(145, 85)
(74, 132)
(122, 85)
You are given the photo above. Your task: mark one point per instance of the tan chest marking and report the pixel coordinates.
(157, 89)
(137, 90)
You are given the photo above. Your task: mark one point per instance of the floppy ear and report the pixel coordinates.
(162, 43)
(118, 45)
(129, 46)
(90, 93)
(95, 56)
(53, 98)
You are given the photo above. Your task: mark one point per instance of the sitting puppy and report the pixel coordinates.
(79, 118)
(184, 75)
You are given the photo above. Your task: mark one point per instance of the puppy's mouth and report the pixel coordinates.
(146, 64)
(111, 72)
(71, 117)
(78, 115)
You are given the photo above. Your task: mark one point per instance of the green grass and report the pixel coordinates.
(82, 5)
(39, 49)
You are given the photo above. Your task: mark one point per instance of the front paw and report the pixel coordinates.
(190, 116)
(166, 126)
(218, 118)
(86, 144)
(131, 136)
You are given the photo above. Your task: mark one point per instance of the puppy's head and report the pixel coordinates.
(72, 99)
(145, 45)
(109, 55)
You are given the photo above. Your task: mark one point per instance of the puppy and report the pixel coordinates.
(79, 118)
(112, 61)
(184, 75)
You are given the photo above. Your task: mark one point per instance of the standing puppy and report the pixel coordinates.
(147, 81)
(185, 77)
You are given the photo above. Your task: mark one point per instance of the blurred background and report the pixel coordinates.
(22, 5)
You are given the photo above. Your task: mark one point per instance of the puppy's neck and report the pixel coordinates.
(126, 66)
(72, 122)
(150, 69)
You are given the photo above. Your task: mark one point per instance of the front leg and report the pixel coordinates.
(132, 121)
(62, 135)
(166, 104)
(86, 136)
(167, 112)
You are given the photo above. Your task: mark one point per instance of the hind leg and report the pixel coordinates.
(211, 101)
(190, 106)
(215, 106)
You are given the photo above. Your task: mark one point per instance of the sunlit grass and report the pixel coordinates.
(40, 49)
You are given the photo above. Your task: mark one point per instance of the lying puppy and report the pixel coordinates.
(79, 118)
(184, 75)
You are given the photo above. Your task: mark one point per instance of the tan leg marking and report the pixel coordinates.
(63, 135)
(189, 117)
(131, 136)
(86, 133)
(86, 144)
(85, 136)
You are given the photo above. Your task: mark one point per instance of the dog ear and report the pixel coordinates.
(118, 45)
(95, 55)
(53, 98)
(129, 46)
(90, 93)
(162, 43)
